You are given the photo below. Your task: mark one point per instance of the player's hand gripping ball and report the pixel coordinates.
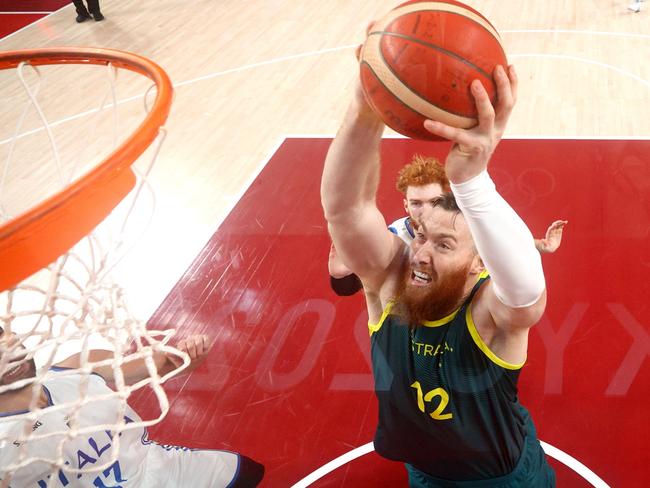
(418, 62)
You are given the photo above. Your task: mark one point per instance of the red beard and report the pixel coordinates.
(439, 299)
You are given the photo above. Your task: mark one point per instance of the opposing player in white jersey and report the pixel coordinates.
(421, 182)
(129, 457)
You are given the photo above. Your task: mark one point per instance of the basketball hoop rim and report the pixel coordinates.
(25, 227)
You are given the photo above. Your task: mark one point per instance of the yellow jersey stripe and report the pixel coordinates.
(442, 321)
(450, 317)
(483, 347)
(372, 328)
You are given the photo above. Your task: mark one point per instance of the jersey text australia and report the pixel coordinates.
(447, 404)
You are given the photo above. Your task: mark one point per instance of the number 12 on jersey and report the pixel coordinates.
(437, 414)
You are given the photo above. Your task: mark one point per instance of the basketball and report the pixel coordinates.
(419, 60)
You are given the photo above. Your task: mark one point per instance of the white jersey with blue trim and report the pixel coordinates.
(140, 462)
(402, 227)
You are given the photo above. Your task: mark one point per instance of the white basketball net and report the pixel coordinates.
(72, 307)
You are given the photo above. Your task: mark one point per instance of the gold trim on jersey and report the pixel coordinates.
(442, 321)
(483, 347)
(452, 315)
(427, 323)
(372, 328)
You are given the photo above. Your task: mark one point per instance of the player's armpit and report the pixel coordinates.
(364, 243)
(504, 317)
(503, 329)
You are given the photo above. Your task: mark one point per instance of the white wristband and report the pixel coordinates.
(503, 241)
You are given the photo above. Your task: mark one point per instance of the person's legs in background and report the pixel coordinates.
(82, 13)
(93, 8)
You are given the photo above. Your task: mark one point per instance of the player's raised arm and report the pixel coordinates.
(348, 188)
(515, 298)
(195, 346)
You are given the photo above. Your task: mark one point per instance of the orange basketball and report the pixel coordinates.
(419, 60)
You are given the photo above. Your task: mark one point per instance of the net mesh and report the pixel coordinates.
(74, 307)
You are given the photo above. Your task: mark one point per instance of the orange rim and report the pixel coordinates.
(41, 234)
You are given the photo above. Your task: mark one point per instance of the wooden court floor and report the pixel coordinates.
(237, 246)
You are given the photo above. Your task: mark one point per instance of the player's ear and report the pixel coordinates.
(406, 207)
(477, 266)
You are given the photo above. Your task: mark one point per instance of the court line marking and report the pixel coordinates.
(574, 464)
(620, 71)
(505, 138)
(334, 464)
(354, 46)
(265, 63)
(176, 85)
(233, 200)
(551, 451)
(579, 32)
(30, 24)
(27, 13)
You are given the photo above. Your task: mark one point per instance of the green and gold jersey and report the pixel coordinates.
(447, 404)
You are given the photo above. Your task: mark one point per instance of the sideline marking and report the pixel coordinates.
(551, 451)
(615, 69)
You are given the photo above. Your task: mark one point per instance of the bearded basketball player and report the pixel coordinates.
(448, 341)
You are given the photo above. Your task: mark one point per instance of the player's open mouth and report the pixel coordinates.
(419, 277)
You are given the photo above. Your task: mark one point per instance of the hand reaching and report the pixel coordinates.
(553, 238)
(474, 147)
(196, 347)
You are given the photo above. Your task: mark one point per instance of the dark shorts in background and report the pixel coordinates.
(532, 471)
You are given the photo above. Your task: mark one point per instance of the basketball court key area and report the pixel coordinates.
(237, 246)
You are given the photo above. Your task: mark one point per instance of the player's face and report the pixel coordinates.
(438, 273)
(14, 365)
(419, 197)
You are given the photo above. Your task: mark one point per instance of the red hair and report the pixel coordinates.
(422, 171)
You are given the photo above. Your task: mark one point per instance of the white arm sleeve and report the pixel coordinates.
(503, 241)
